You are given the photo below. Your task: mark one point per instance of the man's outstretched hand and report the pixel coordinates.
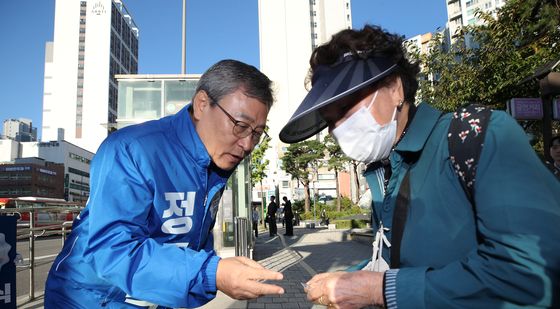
(241, 278)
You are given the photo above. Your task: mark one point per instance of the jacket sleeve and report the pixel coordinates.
(121, 248)
(517, 261)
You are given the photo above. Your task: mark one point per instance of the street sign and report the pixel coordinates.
(526, 108)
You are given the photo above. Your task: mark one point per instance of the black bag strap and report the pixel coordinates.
(399, 220)
(466, 139)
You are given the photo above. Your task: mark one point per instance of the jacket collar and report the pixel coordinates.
(186, 133)
(419, 129)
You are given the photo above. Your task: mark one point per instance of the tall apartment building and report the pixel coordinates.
(93, 41)
(461, 13)
(20, 130)
(288, 33)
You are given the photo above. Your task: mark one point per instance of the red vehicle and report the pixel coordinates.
(47, 211)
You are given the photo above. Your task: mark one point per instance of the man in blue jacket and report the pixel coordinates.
(145, 237)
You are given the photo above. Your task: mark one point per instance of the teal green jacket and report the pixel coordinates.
(514, 261)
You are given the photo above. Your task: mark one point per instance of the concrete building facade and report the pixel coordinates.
(20, 130)
(31, 177)
(461, 13)
(75, 159)
(93, 41)
(288, 33)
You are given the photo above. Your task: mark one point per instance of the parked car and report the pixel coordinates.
(325, 198)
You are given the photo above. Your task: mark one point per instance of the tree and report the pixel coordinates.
(258, 167)
(337, 160)
(487, 63)
(300, 160)
(490, 63)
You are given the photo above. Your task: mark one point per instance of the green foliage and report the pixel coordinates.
(346, 203)
(298, 206)
(491, 63)
(300, 160)
(350, 224)
(508, 49)
(349, 210)
(258, 162)
(337, 161)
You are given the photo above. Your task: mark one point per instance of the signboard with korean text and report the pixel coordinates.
(526, 108)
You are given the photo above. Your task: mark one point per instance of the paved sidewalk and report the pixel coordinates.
(308, 252)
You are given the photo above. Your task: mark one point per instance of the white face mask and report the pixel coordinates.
(363, 139)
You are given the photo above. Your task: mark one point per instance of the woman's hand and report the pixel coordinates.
(346, 290)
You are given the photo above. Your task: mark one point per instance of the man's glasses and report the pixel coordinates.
(242, 129)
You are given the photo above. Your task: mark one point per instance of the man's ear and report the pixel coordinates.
(201, 102)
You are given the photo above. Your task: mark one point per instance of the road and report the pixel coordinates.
(46, 250)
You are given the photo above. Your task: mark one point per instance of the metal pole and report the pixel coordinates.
(184, 40)
(314, 204)
(31, 255)
(236, 235)
(63, 234)
(244, 241)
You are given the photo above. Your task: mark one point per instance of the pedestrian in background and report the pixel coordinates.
(496, 248)
(288, 217)
(323, 217)
(271, 215)
(145, 236)
(255, 215)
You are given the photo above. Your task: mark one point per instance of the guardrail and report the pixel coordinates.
(30, 227)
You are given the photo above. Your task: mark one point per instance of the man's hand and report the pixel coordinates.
(346, 290)
(239, 278)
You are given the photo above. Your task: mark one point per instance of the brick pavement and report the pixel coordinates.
(300, 257)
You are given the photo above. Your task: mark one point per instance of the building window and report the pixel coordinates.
(285, 184)
(325, 177)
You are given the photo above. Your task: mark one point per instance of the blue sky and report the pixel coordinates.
(216, 29)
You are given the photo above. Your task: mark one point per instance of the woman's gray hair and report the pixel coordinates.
(228, 76)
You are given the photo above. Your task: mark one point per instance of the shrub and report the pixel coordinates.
(350, 224)
(298, 206)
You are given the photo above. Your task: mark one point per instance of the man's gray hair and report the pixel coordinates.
(228, 76)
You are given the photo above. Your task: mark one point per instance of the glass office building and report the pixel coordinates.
(147, 97)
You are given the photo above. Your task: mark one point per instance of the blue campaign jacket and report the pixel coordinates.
(146, 231)
(503, 253)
